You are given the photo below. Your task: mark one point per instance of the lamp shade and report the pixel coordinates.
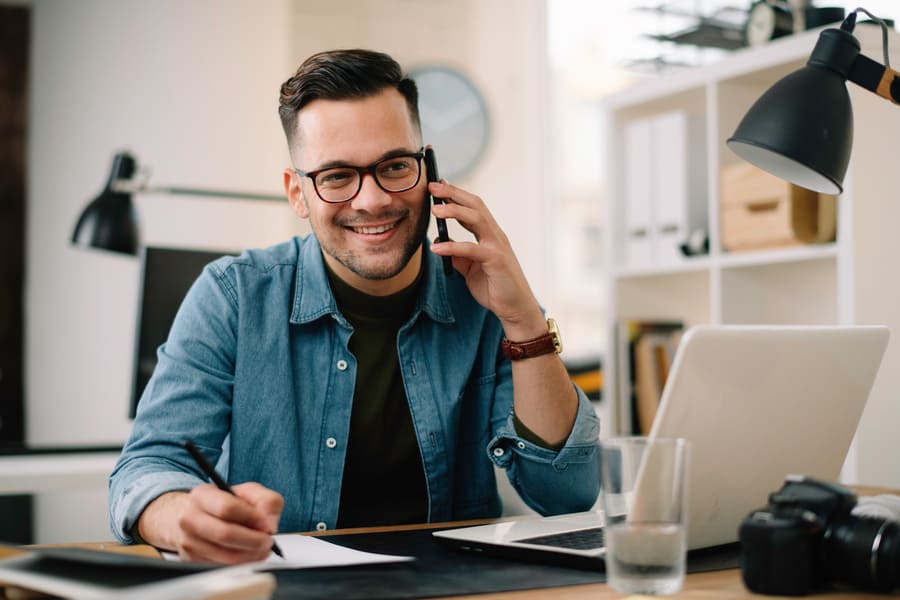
(801, 129)
(109, 221)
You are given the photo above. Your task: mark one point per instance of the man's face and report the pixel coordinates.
(374, 241)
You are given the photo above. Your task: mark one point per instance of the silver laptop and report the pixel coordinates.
(757, 403)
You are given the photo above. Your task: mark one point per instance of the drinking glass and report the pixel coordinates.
(644, 497)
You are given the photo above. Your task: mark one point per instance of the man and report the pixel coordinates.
(343, 378)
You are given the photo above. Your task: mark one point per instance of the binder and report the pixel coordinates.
(639, 224)
(679, 182)
(664, 186)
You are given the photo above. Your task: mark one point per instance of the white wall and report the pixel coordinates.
(191, 87)
(500, 46)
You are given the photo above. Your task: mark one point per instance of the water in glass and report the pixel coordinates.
(646, 558)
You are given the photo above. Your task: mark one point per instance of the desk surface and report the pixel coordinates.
(720, 585)
(714, 585)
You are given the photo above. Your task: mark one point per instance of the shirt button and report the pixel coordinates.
(520, 445)
(331, 442)
(341, 365)
(498, 452)
(321, 526)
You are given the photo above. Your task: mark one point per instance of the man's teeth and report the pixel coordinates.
(379, 229)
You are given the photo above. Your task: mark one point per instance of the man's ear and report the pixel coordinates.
(294, 192)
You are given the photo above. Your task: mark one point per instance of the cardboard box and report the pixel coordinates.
(761, 211)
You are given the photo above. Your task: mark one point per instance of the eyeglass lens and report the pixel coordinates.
(340, 184)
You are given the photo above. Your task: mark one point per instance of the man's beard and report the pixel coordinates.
(359, 265)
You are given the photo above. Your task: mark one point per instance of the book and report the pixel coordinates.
(654, 352)
(645, 352)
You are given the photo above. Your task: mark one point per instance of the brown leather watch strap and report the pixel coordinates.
(543, 344)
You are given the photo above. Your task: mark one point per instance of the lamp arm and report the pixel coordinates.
(130, 186)
(876, 78)
(216, 193)
(849, 24)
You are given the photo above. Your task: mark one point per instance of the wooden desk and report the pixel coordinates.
(717, 585)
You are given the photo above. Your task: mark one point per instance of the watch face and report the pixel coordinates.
(557, 338)
(454, 119)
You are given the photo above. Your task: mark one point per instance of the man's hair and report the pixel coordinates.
(343, 75)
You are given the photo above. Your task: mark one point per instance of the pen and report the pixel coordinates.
(210, 471)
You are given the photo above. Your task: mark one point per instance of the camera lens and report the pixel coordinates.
(864, 552)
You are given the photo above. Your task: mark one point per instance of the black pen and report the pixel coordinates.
(210, 471)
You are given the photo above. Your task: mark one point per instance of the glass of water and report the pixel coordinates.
(644, 497)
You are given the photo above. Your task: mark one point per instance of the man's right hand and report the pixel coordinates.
(210, 525)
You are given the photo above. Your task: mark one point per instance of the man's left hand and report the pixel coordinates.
(489, 265)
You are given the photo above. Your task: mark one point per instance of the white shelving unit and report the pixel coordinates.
(852, 280)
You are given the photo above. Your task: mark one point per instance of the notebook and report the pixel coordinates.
(757, 403)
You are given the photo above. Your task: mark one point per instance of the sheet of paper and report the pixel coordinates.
(305, 552)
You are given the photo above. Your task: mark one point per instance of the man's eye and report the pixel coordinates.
(395, 168)
(336, 177)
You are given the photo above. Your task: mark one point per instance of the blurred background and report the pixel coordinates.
(190, 87)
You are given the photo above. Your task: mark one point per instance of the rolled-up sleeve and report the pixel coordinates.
(188, 398)
(127, 505)
(553, 482)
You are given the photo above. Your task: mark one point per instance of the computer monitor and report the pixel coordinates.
(166, 276)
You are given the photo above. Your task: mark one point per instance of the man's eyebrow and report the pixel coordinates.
(331, 164)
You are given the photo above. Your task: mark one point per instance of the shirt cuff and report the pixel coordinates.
(579, 447)
(128, 507)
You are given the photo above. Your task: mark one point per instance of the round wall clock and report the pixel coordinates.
(454, 119)
(767, 21)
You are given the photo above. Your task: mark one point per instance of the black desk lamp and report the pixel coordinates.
(801, 129)
(109, 222)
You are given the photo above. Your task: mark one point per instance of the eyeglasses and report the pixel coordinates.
(394, 174)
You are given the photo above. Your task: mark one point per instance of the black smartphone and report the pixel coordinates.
(432, 170)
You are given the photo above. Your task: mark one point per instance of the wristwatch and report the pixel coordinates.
(544, 344)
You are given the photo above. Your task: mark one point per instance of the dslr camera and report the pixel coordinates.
(806, 538)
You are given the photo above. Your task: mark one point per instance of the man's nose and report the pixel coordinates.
(371, 197)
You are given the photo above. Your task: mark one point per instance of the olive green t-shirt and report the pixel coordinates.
(384, 480)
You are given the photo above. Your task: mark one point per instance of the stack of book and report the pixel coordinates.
(646, 350)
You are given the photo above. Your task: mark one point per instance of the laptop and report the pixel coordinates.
(757, 403)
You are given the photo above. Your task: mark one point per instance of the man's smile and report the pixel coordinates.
(375, 225)
(372, 229)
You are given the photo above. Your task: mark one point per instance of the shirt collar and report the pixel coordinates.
(313, 297)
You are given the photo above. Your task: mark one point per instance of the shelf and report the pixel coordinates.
(844, 282)
(732, 261)
(784, 255)
(689, 265)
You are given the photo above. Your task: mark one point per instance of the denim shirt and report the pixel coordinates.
(257, 372)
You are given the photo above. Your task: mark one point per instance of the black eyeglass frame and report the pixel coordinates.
(371, 170)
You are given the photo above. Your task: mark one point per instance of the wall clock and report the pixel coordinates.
(454, 119)
(770, 19)
(767, 21)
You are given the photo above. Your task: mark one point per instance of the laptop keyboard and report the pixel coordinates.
(581, 539)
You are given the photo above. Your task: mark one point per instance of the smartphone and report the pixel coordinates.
(431, 168)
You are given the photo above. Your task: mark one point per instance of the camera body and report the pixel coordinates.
(807, 537)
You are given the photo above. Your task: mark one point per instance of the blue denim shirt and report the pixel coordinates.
(257, 372)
